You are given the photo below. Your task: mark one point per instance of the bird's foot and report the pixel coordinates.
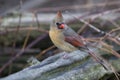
(65, 56)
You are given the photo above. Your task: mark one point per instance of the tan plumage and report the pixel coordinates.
(58, 39)
(57, 36)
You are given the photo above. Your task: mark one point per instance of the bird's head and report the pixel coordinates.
(58, 21)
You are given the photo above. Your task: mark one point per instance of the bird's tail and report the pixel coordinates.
(100, 60)
(107, 66)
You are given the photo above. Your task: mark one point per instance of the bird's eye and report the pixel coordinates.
(60, 25)
(57, 24)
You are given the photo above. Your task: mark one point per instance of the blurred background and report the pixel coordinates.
(24, 26)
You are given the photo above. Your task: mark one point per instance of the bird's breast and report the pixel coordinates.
(59, 40)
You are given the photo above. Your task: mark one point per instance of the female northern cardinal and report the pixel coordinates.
(68, 40)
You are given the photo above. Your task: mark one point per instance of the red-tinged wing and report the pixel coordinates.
(73, 38)
(74, 41)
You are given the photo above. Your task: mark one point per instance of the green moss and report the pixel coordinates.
(61, 70)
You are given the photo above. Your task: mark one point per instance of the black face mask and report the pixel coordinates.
(60, 25)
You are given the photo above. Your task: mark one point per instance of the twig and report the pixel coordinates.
(19, 24)
(73, 7)
(26, 39)
(114, 40)
(90, 25)
(109, 34)
(44, 51)
(9, 30)
(17, 31)
(82, 28)
(37, 21)
(22, 51)
(7, 50)
(114, 23)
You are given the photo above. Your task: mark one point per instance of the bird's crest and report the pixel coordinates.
(59, 17)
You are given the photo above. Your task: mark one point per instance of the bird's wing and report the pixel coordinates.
(73, 41)
(73, 38)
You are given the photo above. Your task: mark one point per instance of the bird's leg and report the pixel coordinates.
(65, 56)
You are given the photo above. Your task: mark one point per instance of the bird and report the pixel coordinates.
(66, 39)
